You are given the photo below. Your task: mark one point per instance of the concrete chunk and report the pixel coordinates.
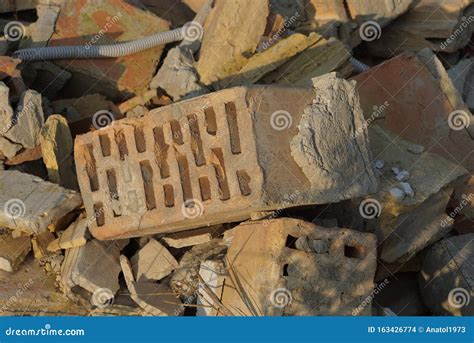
(409, 224)
(153, 262)
(156, 299)
(94, 267)
(57, 151)
(27, 121)
(211, 159)
(232, 31)
(447, 276)
(269, 275)
(30, 204)
(13, 251)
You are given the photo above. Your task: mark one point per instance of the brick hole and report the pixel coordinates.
(196, 142)
(161, 152)
(354, 251)
(104, 144)
(139, 139)
(183, 169)
(147, 176)
(168, 195)
(211, 123)
(285, 270)
(91, 167)
(290, 242)
(112, 183)
(217, 160)
(121, 142)
(244, 181)
(231, 112)
(176, 132)
(99, 214)
(205, 187)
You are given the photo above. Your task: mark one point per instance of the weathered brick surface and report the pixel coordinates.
(220, 149)
(107, 22)
(291, 267)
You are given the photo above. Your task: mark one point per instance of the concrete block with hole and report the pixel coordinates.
(292, 267)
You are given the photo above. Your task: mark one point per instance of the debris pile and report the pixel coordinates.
(282, 158)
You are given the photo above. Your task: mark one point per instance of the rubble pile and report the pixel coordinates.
(283, 158)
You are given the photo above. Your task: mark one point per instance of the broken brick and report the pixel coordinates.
(153, 262)
(187, 165)
(270, 275)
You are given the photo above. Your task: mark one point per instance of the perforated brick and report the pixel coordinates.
(213, 159)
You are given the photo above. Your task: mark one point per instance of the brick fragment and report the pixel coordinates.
(219, 157)
(271, 274)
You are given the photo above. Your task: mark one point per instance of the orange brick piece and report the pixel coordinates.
(219, 157)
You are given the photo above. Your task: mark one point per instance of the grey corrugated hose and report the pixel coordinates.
(101, 51)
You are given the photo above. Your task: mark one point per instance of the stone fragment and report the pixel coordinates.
(407, 189)
(397, 194)
(426, 100)
(92, 23)
(31, 204)
(193, 237)
(156, 299)
(57, 150)
(381, 11)
(379, 164)
(41, 31)
(329, 18)
(410, 225)
(95, 267)
(462, 76)
(177, 76)
(231, 33)
(25, 124)
(74, 236)
(446, 281)
(13, 251)
(9, 149)
(213, 275)
(323, 57)
(403, 175)
(211, 160)
(270, 59)
(268, 275)
(153, 262)
(443, 26)
(40, 244)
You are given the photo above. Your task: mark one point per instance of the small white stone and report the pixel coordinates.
(397, 194)
(403, 175)
(396, 170)
(407, 189)
(379, 164)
